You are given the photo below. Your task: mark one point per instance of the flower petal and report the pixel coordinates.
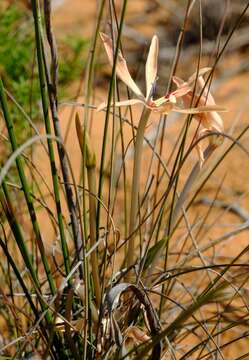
(121, 66)
(183, 87)
(200, 153)
(129, 102)
(206, 93)
(178, 81)
(151, 65)
(201, 109)
(201, 72)
(213, 121)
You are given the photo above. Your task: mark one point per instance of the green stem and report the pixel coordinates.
(25, 186)
(111, 86)
(138, 151)
(13, 223)
(90, 164)
(91, 173)
(36, 15)
(17, 233)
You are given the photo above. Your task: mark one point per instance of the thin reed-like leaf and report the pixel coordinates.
(26, 189)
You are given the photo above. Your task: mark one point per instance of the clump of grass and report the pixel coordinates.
(144, 282)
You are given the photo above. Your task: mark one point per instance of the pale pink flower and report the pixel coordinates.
(206, 112)
(162, 105)
(209, 121)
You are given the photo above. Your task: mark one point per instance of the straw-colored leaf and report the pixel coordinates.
(121, 66)
(151, 65)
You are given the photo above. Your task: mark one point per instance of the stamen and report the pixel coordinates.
(153, 89)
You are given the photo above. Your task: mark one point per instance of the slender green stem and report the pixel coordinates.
(136, 184)
(15, 269)
(112, 81)
(91, 63)
(25, 186)
(13, 223)
(88, 95)
(91, 173)
(26, 291)
(36, 15)
(17, 233)
(90, 163)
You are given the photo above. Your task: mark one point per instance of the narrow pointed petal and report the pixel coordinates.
(129, 102)
(121, 66)
(201, 72)
(178, 81)
(151, 65)
(183, 87)
(206, 93)
(200, 109)
(211, 108)
(200, 153)
(213, 121)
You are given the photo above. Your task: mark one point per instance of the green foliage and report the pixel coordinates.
(70, 50)
(16, 58)
(154, 251)
(18, 66)
(15, 43)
